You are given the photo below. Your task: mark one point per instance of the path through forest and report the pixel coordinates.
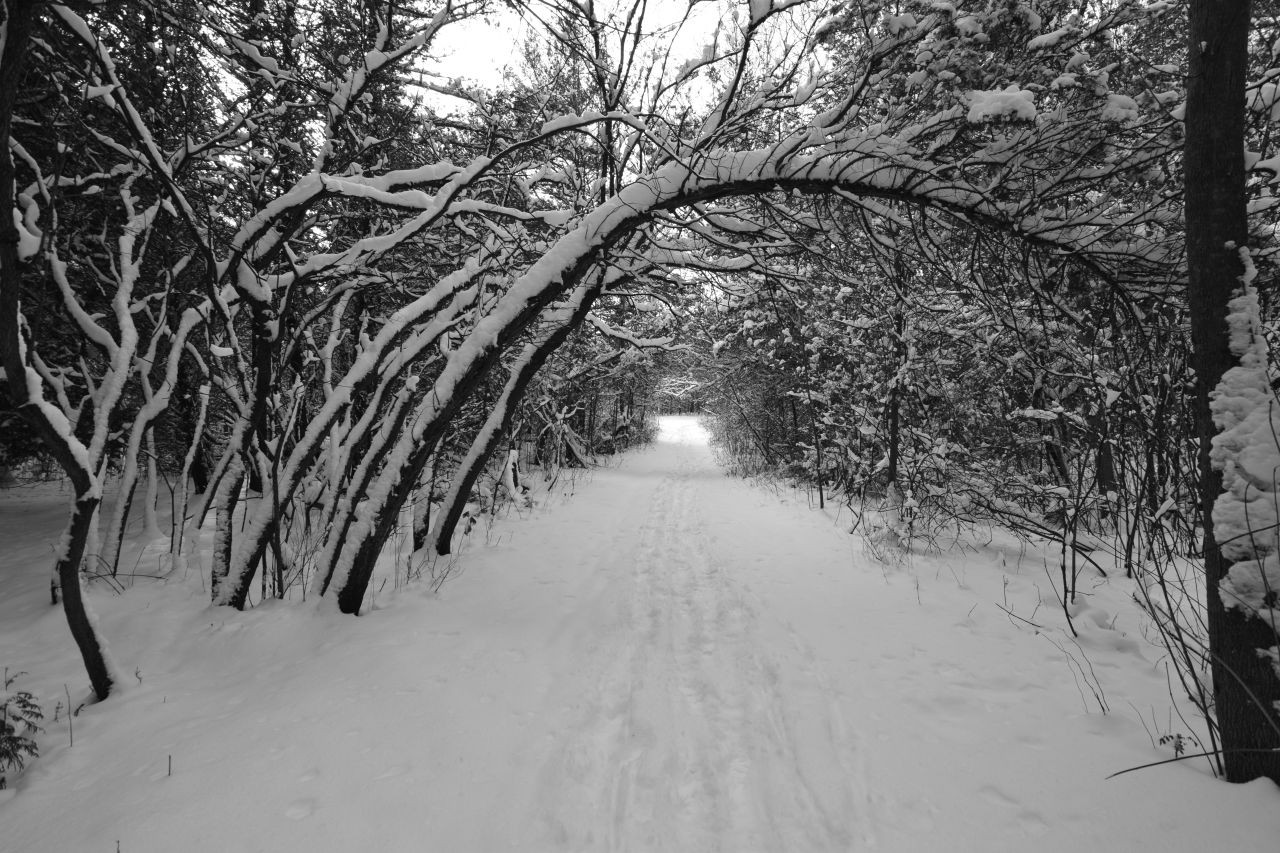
(696, 720)
(667, 659)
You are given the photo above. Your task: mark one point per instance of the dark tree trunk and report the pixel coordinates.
(82, 628)
(199, 471)
(591, 423)
(891, 473)
(1108, 481)
(118, 545)
(1245, 685)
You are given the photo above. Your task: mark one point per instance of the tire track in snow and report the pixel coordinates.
(691, 727)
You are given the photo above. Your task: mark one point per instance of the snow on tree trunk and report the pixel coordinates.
(224, 531)
(150, 517)
(1245, 682)
(401, 558)
(511, 476)
(1246, 516)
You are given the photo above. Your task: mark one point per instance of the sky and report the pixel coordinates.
(481, 49)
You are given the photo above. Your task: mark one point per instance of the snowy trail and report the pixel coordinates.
(658, 658)
(683, 735)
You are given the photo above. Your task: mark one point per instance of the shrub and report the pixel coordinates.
(20, 717)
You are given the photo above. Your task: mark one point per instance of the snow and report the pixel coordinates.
(805, 91)
(1048, 40)
(897, 23)
(1120, 108)
(58, 422)
(572, 120)
(1011, 103)
(252, 51)
(1270, 164)
(706, 56)
(28, 234)
(656, 658)
(969, 25)
(556, 218)
(1246, 516)
(1266, 99)
(1077, 60)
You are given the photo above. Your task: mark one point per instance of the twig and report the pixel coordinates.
(1185, 757)
(70, 713)
(1016, 616)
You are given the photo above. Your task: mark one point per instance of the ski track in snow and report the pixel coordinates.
(658, 658)
(683, 734)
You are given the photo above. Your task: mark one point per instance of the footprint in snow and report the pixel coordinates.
(995, 795)
(300, 809)
(1029, 821)
(392, 772)
(1032, 823)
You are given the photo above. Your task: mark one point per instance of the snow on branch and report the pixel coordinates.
(1009, 103)
(613, 332)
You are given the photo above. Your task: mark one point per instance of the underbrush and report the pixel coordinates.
(20, 718)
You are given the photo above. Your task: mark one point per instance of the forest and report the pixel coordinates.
(269, 272)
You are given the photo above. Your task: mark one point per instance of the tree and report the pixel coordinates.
(26, 386)
(1245, 647)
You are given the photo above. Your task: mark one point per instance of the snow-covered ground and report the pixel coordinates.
(669, 659)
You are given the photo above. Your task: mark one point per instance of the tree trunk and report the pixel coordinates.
(817, 449)
(422, 520)
(76, 609)
(224, 534)
(1105, 462)
(115, 534)
(1245, 685)
(191, 464)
